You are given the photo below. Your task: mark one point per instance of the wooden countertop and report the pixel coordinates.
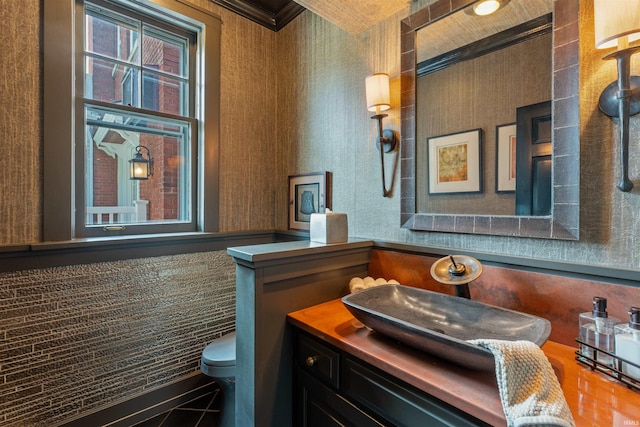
(594, 399)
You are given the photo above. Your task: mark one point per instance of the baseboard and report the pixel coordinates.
(131, 411)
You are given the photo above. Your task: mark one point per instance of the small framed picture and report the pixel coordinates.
(455, 163)
(308, 193)
(506, 158)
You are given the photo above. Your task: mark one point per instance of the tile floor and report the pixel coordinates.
(203, 411)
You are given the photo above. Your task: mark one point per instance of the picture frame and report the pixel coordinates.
(454, 163)
(308, 193)
(506, 158)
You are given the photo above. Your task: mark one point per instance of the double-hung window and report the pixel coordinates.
(139, 96)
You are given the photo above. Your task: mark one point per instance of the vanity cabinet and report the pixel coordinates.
(334, 388)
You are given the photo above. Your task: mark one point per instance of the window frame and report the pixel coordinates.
(191, 124)
(63, 132)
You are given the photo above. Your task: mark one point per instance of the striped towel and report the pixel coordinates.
(529, 390)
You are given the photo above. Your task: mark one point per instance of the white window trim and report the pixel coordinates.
(59, 127)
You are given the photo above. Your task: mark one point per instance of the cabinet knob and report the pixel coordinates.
(311, 360)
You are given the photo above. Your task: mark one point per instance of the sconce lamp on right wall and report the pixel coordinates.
(378, 100)
(617, 22)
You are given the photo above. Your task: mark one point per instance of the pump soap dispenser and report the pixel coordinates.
(628, 343)
(597, 330)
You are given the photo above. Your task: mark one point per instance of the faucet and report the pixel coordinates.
(458, 274)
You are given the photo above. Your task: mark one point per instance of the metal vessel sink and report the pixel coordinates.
(441, 324)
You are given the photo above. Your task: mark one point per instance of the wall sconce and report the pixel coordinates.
(617, 22)
(378, 100)
(141, 168)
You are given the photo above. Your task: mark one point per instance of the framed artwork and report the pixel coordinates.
(308, 193)
(506, 158)
(455, 163)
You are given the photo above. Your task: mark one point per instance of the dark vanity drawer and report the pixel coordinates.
(319, 360)
(318, 405)
(396, 402)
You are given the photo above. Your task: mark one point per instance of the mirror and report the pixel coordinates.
(504, 66)
(419, 133)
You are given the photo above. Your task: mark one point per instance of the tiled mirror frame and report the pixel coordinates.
(564, 221)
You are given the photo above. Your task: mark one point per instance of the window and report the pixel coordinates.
(136, 67)
(137, 85)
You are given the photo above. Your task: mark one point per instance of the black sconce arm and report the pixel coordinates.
(386, 142)
(622, 99)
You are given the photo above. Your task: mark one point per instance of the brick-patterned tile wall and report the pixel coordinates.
(76, 338)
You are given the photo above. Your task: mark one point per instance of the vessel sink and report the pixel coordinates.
(441, 324)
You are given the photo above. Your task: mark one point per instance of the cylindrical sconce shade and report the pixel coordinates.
(615, 19)
(378, 98)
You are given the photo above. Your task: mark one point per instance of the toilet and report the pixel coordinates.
(219, 362)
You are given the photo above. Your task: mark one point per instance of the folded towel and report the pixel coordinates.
(529, 390)
(369, 282)
(357, 284)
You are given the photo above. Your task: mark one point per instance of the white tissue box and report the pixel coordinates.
(328, 228)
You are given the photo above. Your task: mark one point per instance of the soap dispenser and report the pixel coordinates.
(597, 330)
(628, 343)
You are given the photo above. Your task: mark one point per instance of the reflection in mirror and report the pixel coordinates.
(481, 85)
(485, 91)
(461, 29)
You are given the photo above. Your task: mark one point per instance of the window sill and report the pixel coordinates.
(103, 249)
(144, 240)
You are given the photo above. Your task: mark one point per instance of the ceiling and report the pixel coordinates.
(353, 16)
(435, 39)
(273, 14)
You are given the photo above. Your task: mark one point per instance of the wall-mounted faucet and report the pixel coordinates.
(457, 271)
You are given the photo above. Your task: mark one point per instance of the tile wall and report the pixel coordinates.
(76, 338)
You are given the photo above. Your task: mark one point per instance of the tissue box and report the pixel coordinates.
(328, 228)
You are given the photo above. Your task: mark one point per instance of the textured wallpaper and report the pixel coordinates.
(247, 134)
(20, 122)
(328, 128)
(294, 102)
(247, 131)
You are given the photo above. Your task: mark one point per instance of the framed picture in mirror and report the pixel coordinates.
(506, 158)
(454, 162)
